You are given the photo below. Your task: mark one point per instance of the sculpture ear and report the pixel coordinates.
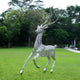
(38, 26)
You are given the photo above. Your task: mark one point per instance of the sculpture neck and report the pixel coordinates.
(38, 41)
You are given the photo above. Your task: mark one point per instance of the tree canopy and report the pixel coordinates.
(17, 26)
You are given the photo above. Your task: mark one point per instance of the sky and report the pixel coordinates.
(61, 4)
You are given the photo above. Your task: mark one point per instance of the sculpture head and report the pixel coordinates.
(40, 28)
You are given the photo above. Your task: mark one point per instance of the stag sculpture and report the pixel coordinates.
(40, 49)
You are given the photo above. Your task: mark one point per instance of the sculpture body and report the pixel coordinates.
(41, 50)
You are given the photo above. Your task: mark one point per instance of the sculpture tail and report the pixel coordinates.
(55, 46)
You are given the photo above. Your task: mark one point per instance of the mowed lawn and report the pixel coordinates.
(67, 65)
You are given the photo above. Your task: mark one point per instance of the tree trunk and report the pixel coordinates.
(9, 44)
(29, 42)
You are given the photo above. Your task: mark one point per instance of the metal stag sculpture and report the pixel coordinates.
(40, 49)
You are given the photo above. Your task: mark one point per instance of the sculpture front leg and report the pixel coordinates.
(35, 59)
(26, 63)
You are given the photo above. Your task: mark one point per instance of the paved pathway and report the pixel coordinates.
(69, 49)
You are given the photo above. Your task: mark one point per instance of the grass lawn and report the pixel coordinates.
(67, 65)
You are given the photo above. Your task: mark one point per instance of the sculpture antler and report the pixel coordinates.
(46, 24)
(50, 23)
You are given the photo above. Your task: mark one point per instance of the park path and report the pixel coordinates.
(69, 49)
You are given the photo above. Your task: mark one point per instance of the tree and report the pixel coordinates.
(73, 22)
(22, 27)
(13, 26)
(35, 17)
(3, 36)
(60, 36)
(21, 3)
(56, 36)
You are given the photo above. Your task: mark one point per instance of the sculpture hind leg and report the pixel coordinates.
(53, 63)
(37, 55)
(47, 64)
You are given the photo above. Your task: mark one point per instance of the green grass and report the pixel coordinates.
(67, 65)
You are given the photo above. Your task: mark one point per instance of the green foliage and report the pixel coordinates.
(20, 3)
(13, 25)
(67, 65)
(22, 22)
(22, 25)
(3, 35)
(60, 36)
